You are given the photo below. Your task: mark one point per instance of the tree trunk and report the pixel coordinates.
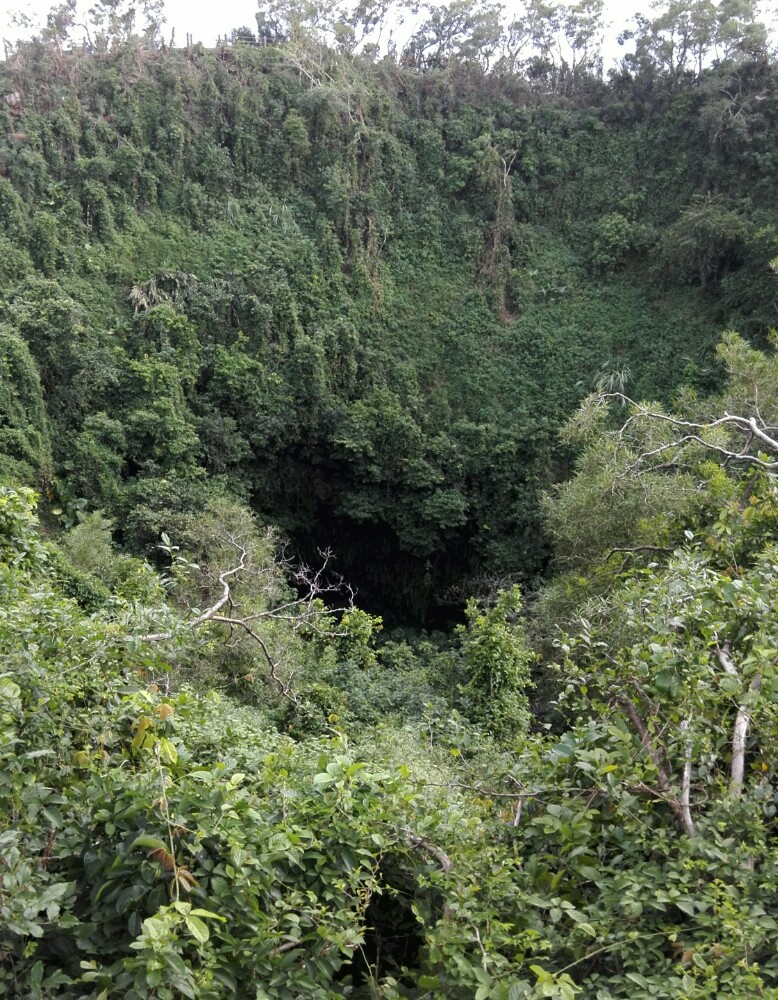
(742, 724)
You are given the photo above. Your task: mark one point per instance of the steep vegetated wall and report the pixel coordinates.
(458, 315)
(361, 300)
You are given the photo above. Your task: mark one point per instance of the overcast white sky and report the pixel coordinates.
(206, 19)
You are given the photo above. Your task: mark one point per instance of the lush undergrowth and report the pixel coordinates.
(353, 818)
(341, 304)
(380, 308)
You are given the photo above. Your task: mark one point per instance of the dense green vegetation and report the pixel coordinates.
(295, 316)
(363, 303)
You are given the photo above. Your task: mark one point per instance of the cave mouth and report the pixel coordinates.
(405, 589)
(394, 937)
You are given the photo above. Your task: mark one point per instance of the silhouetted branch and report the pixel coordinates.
(304, 612)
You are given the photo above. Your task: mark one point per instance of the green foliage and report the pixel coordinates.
(705, 242)
(19, 541)
(654, 643)
(96, 458)
(363, 299)
(496, 658)
(25, 446)
(87, 590)
(367, 303)
(616, 240)
(165, 844)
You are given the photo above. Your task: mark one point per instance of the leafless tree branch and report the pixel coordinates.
(752, 427)
(742, 722)
(421, 843)
(209, 613)
(302, 613)
(686, 779)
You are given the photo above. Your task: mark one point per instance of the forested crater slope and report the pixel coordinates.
(362, 302)
(454, 326)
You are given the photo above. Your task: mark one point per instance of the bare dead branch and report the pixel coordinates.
(742, 722)
(633, 550)
(283, 687)
(209, 613)
(686, 779)
(304, 612)
(752, 427)
(488, 793)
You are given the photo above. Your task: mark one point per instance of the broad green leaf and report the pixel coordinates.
(197, 928)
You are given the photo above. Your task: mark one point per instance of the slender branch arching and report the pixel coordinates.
(304, 612)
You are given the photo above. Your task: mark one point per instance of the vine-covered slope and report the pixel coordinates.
(363, 305)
